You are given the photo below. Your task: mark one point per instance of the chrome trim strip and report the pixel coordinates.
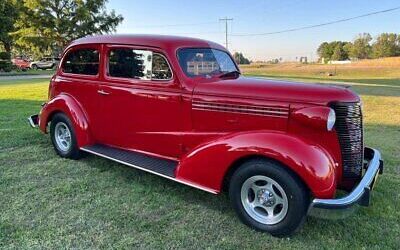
(241, 105)
(239, 109)
(239, 112)
(150, 171)
(256, 110)
(356, 195)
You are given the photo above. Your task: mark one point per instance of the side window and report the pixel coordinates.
(130, 63)
(82, 61)
(138, 64)
(161, 69)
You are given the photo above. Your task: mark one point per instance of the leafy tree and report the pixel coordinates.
(361, 48)
(336, 50)
(386, 44)
(325, 51)
(339, 53)
(8, 16)
(240, 59)
(48, 25)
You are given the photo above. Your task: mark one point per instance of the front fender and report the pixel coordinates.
(68, 105)
(208, 164)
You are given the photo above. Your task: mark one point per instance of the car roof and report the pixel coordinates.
(160, 41)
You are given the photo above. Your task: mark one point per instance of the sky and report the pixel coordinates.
(201, 19)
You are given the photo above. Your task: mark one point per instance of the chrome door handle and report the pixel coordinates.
(102, 92)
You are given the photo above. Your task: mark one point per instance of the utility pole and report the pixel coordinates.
(226, 29)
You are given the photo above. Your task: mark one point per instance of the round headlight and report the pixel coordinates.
(331, 120)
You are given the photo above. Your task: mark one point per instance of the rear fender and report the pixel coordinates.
(208, 164)
(68, 105)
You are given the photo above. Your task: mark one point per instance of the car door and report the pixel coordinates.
(141, 101)
(79, 78)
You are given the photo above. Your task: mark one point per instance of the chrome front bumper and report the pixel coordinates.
(361, 194)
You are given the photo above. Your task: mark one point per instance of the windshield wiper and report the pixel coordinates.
(230, 73)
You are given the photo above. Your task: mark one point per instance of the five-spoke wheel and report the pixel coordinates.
(264, 199)
(63, 136)
(267, 196)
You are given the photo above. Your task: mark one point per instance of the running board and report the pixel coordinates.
(141, 161)
(158, 166)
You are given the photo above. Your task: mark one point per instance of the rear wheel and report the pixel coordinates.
(34, 67)
(63, 137)
(267, 197)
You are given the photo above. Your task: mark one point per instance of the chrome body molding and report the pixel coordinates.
(361, 193)
(243, 109)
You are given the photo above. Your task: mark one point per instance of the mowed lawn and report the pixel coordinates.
(49, 202)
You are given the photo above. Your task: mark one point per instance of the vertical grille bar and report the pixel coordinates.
(349, 127)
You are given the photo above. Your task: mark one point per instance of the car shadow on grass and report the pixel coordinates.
(158, 184)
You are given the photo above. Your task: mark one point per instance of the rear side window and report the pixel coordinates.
(138, 64)
(82, 62)
(160, 69)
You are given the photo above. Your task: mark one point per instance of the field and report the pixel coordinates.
(385, 68)
(49, 202)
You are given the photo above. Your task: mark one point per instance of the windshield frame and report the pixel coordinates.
(206, 75)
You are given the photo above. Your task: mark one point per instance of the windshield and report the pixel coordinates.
(205, 62)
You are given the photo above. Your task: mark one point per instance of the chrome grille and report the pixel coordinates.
(350, 131)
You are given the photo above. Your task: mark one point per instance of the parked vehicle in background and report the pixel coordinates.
(179, 108)
(21, 63)
(45, 63)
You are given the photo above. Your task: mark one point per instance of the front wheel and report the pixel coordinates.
(63, 137)
(268, 197)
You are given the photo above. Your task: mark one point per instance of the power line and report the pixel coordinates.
(226, 29)
(194, 33)
(173, 25)
(318, 25)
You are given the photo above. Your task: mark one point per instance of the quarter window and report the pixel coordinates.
(161, 70)
(138, 64)
(82, 61)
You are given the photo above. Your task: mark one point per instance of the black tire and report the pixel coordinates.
(296, 193)
(73, 151)
(34, 67)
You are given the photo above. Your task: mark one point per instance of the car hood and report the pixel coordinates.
(271, 89)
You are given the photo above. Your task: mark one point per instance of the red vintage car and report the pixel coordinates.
(179, 108)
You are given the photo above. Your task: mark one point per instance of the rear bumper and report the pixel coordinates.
(33, 120)
(361, 194)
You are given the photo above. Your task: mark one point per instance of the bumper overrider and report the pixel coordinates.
(361, 194)
(33, 120)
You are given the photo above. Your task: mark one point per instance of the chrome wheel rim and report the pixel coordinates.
(62, 136)
(264, 200)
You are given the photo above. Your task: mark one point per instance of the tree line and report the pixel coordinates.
(45, 27)
(362, 47)
(240, 59)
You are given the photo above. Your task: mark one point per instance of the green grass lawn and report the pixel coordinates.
(50, 202)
